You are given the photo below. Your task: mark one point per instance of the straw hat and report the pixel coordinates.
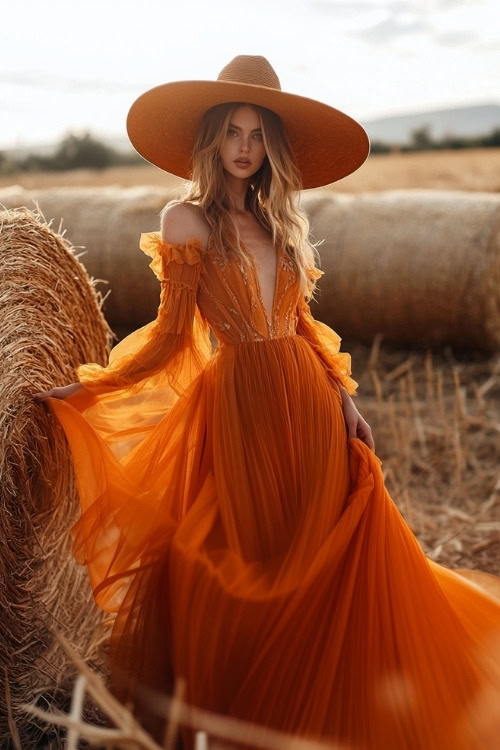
(162, 123)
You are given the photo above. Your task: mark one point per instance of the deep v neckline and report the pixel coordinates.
(269, 316)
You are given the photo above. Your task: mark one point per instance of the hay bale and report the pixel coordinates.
(422, 267)
(51, 322)
(419, 266)
(107, 222)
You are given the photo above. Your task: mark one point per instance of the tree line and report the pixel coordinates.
(73, 152)
(422, 140)
(85, 151)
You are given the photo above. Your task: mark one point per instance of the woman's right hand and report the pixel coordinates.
(58, 392)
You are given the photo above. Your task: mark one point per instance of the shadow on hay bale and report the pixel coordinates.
(421, 267)
(107, 222)
(51, 322)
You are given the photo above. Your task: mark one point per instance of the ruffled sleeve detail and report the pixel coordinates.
(176, 344)
(164, 253)
(326, 343)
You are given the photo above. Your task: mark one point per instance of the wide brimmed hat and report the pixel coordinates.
(162, 123)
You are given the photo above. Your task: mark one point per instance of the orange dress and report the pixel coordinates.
(242, 542)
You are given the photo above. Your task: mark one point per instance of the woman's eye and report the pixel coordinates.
(256, 135)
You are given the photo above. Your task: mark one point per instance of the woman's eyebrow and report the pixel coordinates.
(237, 127)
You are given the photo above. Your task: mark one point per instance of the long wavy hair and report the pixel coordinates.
(273, 192)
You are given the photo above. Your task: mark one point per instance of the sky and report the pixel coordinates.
(67, 67)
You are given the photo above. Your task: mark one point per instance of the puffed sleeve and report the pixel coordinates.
(177, 343)
(325, 342)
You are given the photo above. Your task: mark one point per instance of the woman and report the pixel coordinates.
(234, 514)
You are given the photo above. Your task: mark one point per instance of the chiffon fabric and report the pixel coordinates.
(242, 542)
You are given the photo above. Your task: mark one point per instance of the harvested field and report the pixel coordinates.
(469, 169)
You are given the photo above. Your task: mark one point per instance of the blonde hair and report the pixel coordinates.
(273, 192)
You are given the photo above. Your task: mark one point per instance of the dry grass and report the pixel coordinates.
(470, 169)
(126, 732)
(210, 730)
(435, 418)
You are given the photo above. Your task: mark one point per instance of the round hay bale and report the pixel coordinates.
(107, 222)
(51, 322)
(422, 267)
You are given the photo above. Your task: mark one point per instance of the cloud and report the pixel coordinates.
(455, 38)
(389, 20)
(392, 28)
(60, 83)
(351, 7)
(343, 6)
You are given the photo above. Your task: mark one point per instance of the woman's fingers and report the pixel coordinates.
(41, 395)
(357, 427)
(365, 434)
(352, 428)
(61, 392)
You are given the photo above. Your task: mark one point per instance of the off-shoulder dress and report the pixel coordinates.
(243, 543)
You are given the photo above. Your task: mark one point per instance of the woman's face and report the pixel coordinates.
(243, 140)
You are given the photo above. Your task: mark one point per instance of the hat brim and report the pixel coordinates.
(162, 124)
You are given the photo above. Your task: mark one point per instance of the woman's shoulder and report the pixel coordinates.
(182, 239)
(181, 222)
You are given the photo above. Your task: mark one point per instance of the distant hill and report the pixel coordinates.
(461, 121)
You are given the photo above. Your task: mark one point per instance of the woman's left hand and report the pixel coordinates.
(355, 424)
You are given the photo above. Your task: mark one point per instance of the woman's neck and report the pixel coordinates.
(237, 190)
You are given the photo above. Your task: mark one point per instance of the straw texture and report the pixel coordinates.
(106, 223)
(51, 321)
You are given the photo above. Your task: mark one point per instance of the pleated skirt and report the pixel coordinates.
(245, 545)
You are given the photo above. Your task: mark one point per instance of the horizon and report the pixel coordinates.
(113, 135)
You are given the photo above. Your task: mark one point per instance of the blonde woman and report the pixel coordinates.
(234, 515)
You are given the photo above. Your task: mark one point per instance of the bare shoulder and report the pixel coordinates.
(183, 221)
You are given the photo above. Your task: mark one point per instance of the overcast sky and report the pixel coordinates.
(66, 66)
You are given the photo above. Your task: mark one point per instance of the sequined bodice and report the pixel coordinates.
(197, 284)
(230, 299)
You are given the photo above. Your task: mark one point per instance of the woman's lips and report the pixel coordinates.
(242, 164)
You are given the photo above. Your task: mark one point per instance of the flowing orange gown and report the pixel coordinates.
(246, 545)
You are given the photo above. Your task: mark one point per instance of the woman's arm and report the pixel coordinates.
(325, 342)
(58, 392)
(175, 344)
(356, 425)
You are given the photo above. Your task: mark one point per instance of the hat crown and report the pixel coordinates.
(253, 69)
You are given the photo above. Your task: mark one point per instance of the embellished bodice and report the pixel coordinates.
(230, 299)
(201, 290)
